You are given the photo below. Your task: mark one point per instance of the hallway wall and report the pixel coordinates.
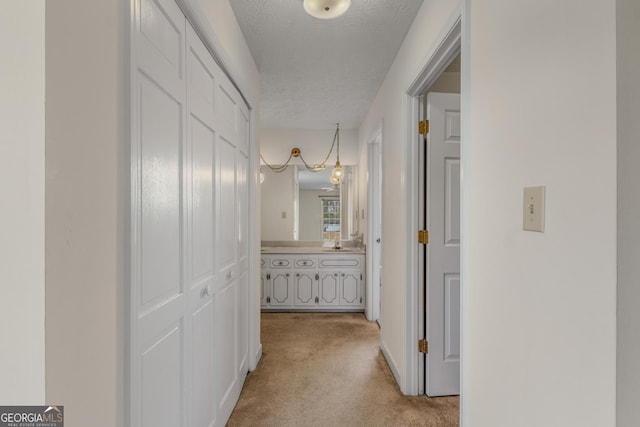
(85, 200)
(628, 376)
(22, 96)
(539, 322)
(539, 309)
(390, 108)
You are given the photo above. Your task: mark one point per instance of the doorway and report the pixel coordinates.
(417, 317)
(440, 215)
(374, 231)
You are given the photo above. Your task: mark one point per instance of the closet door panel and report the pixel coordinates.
(242, 353)
(225, 354)
(162, 381)
(160, 45)
(201, 218)
(159, 330)
(226, 106)
(203, 392)
(228, 238)
(202, 212)
(243, 210)
(160, 227)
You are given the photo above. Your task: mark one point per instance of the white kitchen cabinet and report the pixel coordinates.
(313, 282)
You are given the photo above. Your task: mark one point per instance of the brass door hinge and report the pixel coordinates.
(423, 127)
(423, 237)
(423, 346)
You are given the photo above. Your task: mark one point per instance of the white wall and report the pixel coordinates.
(84, 208)
(276, 145)
(389, 108)
(628, 375)
(538, 309)
(22, 357)
(222, 25)
(539, 323)
(277, 200)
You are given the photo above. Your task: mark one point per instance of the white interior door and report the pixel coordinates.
(158, 297)
(201, 178)
(374, 243)
(189, 227)
(443, 251)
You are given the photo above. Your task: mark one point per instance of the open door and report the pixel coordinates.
(442, 253)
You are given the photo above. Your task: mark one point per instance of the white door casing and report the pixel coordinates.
(443, 250)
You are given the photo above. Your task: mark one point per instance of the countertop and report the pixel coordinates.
(309, 250)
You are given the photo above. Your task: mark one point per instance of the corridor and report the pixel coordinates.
(326, 369)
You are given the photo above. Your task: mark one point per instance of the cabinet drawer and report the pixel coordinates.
(305, 262)
(280, 262)
(339, 262)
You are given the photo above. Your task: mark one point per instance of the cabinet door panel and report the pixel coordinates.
(328, 293)
(305, 289)
(264, 288)
(350, 288)
(281, 287)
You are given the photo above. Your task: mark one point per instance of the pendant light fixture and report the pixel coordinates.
(326, 9)
(336, 174)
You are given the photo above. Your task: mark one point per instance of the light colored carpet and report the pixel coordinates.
(326, 369)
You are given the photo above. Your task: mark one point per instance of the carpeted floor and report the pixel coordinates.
(326, 369)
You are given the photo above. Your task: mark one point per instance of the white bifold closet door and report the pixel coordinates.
(189, 223)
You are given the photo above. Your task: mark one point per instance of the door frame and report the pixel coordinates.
(449, 46)
(373, 292)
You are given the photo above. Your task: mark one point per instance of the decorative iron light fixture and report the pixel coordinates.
(336, 174)
(326, 9)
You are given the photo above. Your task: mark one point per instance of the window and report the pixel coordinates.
(331, 218)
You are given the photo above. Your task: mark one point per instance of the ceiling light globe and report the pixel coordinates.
(326, 9)
(335, 180)
(337, 171)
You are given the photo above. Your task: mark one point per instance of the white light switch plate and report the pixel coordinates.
(533, 209)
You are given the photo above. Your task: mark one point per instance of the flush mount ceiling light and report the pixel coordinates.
(336, 174)
(326, 9)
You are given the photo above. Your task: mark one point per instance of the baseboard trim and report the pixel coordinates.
(393, 366)
(257, 358)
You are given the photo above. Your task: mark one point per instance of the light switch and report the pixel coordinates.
(533, 209)
(284, 215)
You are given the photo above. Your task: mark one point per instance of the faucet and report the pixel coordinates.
(337, 245)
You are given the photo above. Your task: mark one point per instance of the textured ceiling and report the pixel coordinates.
(315, 73)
